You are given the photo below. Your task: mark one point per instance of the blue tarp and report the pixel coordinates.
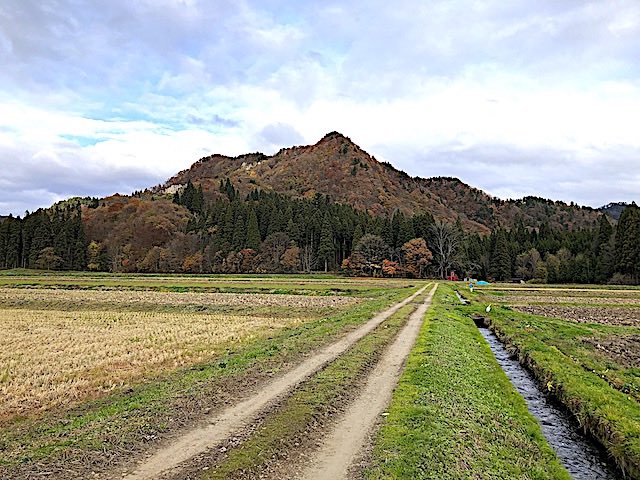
(482, 282)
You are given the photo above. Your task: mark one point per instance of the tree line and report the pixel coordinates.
(51, 239)
(602, 254)
(269, 232)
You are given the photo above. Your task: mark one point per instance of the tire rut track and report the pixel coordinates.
(219, 426)
(349, 437)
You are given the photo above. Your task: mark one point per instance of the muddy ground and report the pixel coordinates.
(626, 316)
(623, 350)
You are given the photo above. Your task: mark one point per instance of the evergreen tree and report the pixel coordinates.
(293, 231)
(406, 232)
(4, 236)
(326, 247)
(627, 245)
(421, 225)
(253, 231)
(198, 200)
(500, 258)
(396, 225)
(42, 237)
(239, 228)
(187, 195)
(358, 233)
(227, 224)
(230, 191)
(13, 243)
(387, 231)
(603, 251)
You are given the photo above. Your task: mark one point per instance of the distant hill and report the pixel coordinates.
(311, 207)
(614, 210)
(337, 167)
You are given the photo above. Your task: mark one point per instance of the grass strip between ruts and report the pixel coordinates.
(455, 413)
(311, 402)
(101, 432)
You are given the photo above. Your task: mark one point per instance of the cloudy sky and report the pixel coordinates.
(517, 98)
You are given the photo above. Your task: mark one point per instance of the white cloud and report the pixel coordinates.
(513, 98)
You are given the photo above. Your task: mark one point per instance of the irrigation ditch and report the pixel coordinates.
(583, 458)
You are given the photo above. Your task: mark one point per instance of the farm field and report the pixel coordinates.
(205, 377)
(93, 366)
(583, 344)
(316, 284)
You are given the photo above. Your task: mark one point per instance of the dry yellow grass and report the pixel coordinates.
(16, 296)
(52, 358)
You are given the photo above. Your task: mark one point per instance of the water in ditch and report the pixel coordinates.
(580, 456)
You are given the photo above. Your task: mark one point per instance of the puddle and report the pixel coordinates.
(580, 456)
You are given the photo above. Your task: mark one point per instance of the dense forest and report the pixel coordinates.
(269, 232)
(51, 239)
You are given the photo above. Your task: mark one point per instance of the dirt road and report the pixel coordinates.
(219, 426)
(343, 444)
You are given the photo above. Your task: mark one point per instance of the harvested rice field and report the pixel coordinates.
(43, 297)
(63, 346)
(317, 284)
(54, 358)
(571, 300)
(582, 305)
(96, 369)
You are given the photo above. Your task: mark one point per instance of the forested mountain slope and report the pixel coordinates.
(328, 206)
(337, 167)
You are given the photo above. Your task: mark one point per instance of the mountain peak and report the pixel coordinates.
(335, 136)
(337, 167)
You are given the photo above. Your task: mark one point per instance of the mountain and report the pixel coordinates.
(614, 210)
(311, 207)
(337, 167)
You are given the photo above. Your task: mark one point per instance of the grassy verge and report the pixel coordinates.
(599, 392)
(308, 408)
(455, 414)
(102, 432)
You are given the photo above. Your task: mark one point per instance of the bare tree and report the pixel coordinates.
(527, 264)
(307, 258)
(444, 243)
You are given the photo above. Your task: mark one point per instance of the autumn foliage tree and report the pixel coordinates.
(205, 229)
(368, 255)
(390, 268)
(417, 257)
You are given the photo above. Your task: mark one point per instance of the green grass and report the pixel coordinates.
(112, 426)
(567, 337)
(312, 401)
(455, 414)
(589, 385)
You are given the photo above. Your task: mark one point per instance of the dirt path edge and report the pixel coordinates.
(346, 440)
(219, 426)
